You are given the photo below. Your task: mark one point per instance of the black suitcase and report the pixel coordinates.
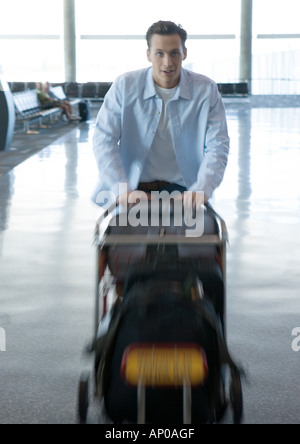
(154, 312)
(84, 111)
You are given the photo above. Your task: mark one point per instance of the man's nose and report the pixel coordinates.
(167, 60)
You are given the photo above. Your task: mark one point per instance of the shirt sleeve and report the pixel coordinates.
(106, 144)
(216, 148)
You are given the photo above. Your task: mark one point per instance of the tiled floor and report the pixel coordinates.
(26, 145)
(47, 267)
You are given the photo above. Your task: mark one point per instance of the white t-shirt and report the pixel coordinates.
(161, 163)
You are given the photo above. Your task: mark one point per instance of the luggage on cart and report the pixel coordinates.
(166, 315)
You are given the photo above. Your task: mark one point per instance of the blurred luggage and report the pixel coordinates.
(84, 111)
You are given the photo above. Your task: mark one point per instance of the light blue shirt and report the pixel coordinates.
(128, 122)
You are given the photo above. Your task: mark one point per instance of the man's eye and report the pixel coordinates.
(159, 54)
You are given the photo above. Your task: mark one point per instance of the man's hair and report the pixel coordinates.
(166, 28)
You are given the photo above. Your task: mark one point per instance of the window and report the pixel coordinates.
(276, 47)
(111, 36)
(31, 43)
(111, 39)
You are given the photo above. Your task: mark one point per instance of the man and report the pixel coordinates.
(162, 128)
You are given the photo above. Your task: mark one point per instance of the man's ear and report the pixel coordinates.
(185, 54)
(148, 55)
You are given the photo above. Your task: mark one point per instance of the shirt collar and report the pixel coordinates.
(183, 90)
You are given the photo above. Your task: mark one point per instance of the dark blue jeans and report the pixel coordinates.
(174, 187)
(169, 188)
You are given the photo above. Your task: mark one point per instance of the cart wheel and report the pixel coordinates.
(83, 397)
(222, 404)
(236, 398)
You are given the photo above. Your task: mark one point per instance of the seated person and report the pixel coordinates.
(50, 102)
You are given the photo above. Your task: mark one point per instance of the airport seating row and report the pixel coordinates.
(93, 91)
(29, 109)
(96, 91)
(240, 89)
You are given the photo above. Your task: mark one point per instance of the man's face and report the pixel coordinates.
(166, 54)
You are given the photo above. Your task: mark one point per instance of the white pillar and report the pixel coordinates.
(70, 40)
(246, 42)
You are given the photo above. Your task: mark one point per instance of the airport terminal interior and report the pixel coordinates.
(48, 259)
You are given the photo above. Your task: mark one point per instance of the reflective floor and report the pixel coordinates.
(47, 268)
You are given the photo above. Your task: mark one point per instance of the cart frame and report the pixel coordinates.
(102, 240)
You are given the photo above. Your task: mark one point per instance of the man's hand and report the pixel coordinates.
(193, 199)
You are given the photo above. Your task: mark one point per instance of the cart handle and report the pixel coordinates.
(209, 208)
(222, 223)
